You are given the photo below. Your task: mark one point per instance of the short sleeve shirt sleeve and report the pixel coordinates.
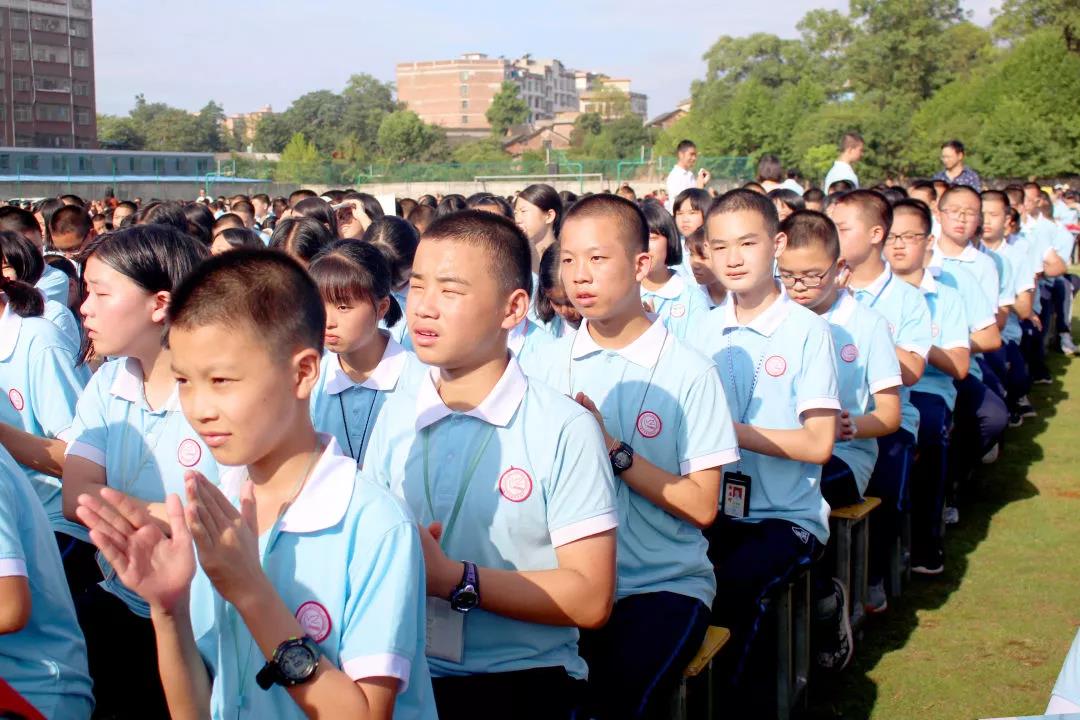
(53, 369)
(817, 386)
(581, 497)
(88, 436)
(882, 367)
(12, 553)
(952, 324)
(708, 439)
(914, 333)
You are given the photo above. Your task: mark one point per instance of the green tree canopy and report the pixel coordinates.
(507, 109)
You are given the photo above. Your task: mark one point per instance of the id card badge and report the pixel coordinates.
(736, 494)
(445, 631)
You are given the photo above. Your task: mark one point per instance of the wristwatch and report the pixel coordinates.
(295, 661)
(466, 596)
(622, 458)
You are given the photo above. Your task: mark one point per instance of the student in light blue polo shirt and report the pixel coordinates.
(22, 261)
(130, 435)
(362, 364)
(53, 282)
(42, 652)
(934, 396)
(869, 377)
(778, 367)
(689, 208)
(662, 406)
(306, 600)
(509, 478)
(677, 301)
(551, 305)
(863, 219)
(1066, 694)
(397, 240)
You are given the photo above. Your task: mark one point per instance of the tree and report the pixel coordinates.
(507, 109)
(272, 133)
(300, 161)
(208, 135)
(585, 125)
(627, 136)
(1018, 18)
(485, 150)
(404, 137)
(118, 133)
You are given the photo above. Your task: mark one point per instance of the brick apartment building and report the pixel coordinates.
(47, 74)
(456, 94)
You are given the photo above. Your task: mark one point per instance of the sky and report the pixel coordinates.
(245, 54)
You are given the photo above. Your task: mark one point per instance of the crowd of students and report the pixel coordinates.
(487, 456)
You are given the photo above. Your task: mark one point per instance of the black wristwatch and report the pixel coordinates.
(466, 596)
(622, 458)
(295, 661)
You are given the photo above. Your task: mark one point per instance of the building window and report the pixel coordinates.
(23, 113)
(51, 53)
(19, 21)
(52, 113)
(80, 29)
(58, 164)
(48, 23)
(464, 119)
(30, 162)
(82, 116)
(464, 76)
(5, 162)
(82, 88)
(464, 104)
(20, 83)
(20, 51)
(81, 57)
(52, 84)
(464, 91)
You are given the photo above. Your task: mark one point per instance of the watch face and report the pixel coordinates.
(296, 663)
(465, 599)
(621, 459)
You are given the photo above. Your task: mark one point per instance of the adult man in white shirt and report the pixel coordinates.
(682, 175)
(851, 151)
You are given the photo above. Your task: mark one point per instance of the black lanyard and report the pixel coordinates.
(367, 423)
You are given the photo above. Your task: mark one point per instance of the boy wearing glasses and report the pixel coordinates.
(869, 379)
(863, 219)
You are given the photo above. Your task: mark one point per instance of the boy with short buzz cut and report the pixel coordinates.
(306, 600)
(510, 479)
(69, 228)
(934, 396)
(778, 367)
(663, 413)
(869, 378)
(863, 219)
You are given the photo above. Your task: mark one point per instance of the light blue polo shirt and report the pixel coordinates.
(1067, 686)
(865, 364)
(774, 369)
(54, 283)
(979, 264)
(1062, 241)
(980, 310)
(60, 316)
(909, 324)
(1014, 263)
(680, 305)
(348, 410)
(949, 330)
(45, 662)
(145, 452)
(345, 558)
(41, 385)
(666, 401)
(540, 479)
(527, 339)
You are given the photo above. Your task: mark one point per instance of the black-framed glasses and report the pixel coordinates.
(808, 281)
(905, 238)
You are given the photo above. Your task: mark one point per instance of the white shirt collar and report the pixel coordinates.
(842, 309)
(673, 288)
(383, 378)
(879, 282)
(765, 323)
(968, 254)
(322, 501)
(128, 385)
(643, 351)
(928, 284)
(515, 340)
(10, 325)
(497, 408)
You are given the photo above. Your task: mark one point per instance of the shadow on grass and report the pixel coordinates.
(854, 694)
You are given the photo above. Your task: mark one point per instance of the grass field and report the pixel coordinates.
(987, 638)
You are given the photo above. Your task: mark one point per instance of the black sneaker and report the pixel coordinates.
(929, 563)
(1025, 408)
(838, 644)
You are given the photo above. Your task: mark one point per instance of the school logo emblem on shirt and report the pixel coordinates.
(315, 620)
(16, 399)
(515, 485)
(849, 353)
(189, 453)
(935, 330)
(776, 366)
(649, 424)
(678, 310)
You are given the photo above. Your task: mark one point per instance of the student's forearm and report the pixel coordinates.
(1002, 317)
(331, 693)
(912, 366)
(579, 596)
(15, 603)
(1053, 266)
(693, 498)
(953, 362)
(885, 418)
(986, 340)
(45, 455)
(79, 483)
(1024, 306)
(799, 444)
(183, 674)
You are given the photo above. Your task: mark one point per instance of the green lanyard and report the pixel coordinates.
(465, 481)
